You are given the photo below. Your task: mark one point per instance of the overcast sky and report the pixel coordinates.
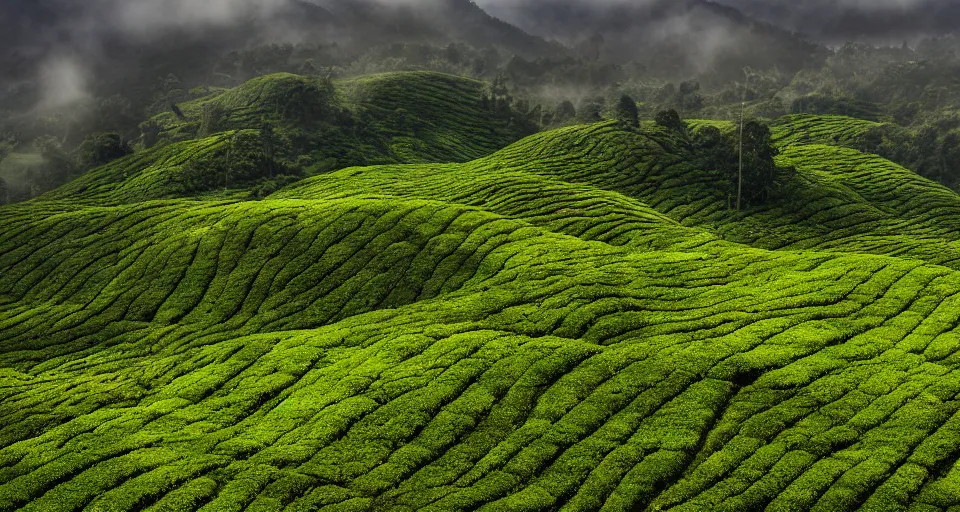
(830, 21)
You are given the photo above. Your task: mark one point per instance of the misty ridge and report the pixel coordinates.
(73, 69)
(89, 27)
(66, 45)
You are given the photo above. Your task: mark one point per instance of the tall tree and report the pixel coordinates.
(743, 161)
(564, 112)
(689, 97)
(591, 110)
(501, 93)
(670, 119)
(58, 165)
(99, 149)
(627, 112)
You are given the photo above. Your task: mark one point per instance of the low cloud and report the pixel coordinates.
(63, 82)
(148, 16)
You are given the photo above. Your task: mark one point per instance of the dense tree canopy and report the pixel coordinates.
(627, 111)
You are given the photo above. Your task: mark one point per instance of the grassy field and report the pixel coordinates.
(574, 322)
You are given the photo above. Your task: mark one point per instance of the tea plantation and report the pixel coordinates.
(575, 322)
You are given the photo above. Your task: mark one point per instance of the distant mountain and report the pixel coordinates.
(682, 36)
(144, 36)
(838, 21)
(435, 21)
(116, 37)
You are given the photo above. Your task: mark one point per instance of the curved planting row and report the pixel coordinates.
(392, 354)
(580, 210)
(244, 267)
(833, 130)
(558, 326)
(155, 173)
(602, 182)
(432, 117)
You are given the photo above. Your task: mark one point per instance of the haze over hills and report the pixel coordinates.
(694, 36)
(372, 255)
(122, 42)
(131, 43)
(837, 22)
(827, 21)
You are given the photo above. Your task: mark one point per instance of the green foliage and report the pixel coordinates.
(761, 175)
(246, 157)
(688, 97)
(670, 119)
(563, 114)
(114, 114)
(627, 112)
(821, 104)
(577, 320)
(929, 150)
(269, 185)
(58, 167)
(101, 148)
(591, 109)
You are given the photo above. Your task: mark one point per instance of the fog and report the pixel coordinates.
(67, 44)
(828, 21)
(878, 21)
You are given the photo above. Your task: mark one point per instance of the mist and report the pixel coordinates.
(72, 48)
(826, 21)
(876, 21)
(68, 47)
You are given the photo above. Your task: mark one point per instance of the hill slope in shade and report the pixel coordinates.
(813, 129)
(410, 117)
(130, 44)
(840, 22)
(678, 38)
(574, 322)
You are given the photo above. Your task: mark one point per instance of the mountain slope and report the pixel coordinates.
(107, 47)
(840, 22)
(566, 323)
(410, 117)
(672, 38)
(436, 21)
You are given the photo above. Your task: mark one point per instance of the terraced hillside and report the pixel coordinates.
(813, 129)
(412, 117)
(575, 322)
(409, 116)
(441, 117)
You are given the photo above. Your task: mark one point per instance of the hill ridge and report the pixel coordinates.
(574, 321)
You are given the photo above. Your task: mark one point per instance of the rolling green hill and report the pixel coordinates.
(814, 129)
(418, 116)
(411, 117)
(574, 322)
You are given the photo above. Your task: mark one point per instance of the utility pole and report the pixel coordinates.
(743, 102)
